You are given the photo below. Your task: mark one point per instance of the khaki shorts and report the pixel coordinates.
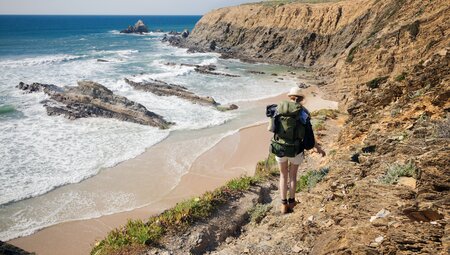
(297, 160)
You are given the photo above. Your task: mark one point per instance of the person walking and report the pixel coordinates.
(288, 144)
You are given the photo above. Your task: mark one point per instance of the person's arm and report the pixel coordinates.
(319, 149)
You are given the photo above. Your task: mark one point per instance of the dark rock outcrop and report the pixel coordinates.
(176, 39)
(161, 88)
(138, 28)
(90, 99)
(9, 249)
(204, 69)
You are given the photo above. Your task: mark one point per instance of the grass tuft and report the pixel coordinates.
(395, 171)
(401, 77)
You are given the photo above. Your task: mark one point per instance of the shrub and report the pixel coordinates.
(325, 114)
(311, 178)
(318, 125)
(395, 171)
(375, 83)
(259, 212)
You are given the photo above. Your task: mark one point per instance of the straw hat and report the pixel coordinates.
(296, 91)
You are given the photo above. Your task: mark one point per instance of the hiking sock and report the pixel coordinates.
(284, 201)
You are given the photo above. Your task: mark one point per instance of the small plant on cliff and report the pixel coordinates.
(311, 178)
(325, 114)
(395, 171)
(351, 54)
(318, 125)
(259, 212)
(401, 77)
(375, 83)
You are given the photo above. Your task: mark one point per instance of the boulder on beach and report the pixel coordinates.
(138, 28)
(91, 99)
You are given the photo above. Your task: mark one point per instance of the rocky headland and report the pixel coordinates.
(384, 187)
(90, 99)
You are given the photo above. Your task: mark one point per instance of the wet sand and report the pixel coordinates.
(234, 156)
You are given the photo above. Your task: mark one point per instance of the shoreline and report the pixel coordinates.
(244, 148)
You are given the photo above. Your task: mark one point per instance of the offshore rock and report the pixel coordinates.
(204, 69)
(138, 28)
(90, 99)
(161, 88)
(175, 38)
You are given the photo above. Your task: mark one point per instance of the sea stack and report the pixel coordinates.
(138, 28)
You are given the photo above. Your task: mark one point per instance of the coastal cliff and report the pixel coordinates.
(349, 42)
(384, 187)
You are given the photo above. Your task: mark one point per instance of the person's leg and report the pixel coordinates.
(293, 169)
(283, 165)
(283, 179)
(292, 180)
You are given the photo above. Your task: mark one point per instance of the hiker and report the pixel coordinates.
(292, 135)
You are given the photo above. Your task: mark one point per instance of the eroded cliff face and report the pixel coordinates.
(349, 42)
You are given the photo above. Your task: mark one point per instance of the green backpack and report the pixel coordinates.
(289, 134)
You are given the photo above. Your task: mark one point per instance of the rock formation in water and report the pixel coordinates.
(161, 88)
(138, 28)
(204, 69)
(90, 99)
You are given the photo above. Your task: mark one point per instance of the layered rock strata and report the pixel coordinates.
(90, 99)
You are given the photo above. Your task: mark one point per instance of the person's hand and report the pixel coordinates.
(321, 151)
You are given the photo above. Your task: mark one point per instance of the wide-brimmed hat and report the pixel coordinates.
(296, 91)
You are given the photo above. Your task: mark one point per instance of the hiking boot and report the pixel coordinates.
(284, 206)
(291, 204)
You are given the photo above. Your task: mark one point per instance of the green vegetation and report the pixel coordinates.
(401, 77)
(136, 234)
(325, 114)
(375, 83)
(259, 212)
(351, 54)
(318, 125)
(309, 180)
(395, 171)
(395, 112)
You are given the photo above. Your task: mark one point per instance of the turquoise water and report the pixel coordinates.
(40, 153)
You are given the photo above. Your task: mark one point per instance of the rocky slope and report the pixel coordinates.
(387, 62)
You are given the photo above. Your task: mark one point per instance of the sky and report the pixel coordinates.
(116, 7)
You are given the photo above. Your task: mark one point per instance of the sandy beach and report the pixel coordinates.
(233, 156)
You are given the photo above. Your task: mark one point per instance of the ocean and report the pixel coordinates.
(40, 153)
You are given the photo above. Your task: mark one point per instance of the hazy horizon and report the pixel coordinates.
(113, 7)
